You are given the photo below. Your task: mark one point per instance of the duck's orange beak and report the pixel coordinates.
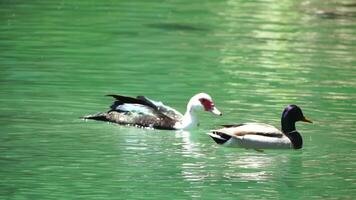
(307, 120)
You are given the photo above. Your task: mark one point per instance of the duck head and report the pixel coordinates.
(199, 102)
(291, 115)
(202, 102)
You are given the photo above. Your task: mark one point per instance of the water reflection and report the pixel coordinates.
(189, 147)
(203, 164)
(177, 27)
(332, 10)
(249, 168)
(194, 169)
(194, 172)
(239, 165)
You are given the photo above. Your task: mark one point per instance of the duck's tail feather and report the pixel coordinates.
(98, 116)
(219, 137)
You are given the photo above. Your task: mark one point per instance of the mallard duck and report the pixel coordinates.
(144, 112)
(263, 136)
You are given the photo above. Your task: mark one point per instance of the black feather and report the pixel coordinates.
(231, 125)
(147, 101)
(115, 105)
(278, 135)
(126, 99)
(99, 116)
(223, 137)
(296, 139)
(120, 99)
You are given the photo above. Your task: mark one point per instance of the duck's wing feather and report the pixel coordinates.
(120, 99)
(166, 110)
(134, 105)
(144, 105)
(238, 130)
(138, 109)
(142, 111)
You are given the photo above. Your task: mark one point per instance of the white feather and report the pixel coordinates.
(259, 142)
(135, 108)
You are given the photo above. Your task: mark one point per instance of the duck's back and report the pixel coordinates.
(251, 129)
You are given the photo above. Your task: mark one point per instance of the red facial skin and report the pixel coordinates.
(208, 105)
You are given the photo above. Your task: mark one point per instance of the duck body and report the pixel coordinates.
(251, 136)
(143, 112)
(263, 136)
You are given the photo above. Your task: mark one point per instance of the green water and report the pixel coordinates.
(58, 59)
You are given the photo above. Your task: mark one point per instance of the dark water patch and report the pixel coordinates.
(334, 14)
(347, 5)
(7, 158)
(177, 27)
(8, 190)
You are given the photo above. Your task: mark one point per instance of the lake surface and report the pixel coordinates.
(58, 59)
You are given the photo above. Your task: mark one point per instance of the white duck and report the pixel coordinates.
(263, 136)
(144, 112)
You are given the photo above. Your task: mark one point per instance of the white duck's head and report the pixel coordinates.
(202, 102)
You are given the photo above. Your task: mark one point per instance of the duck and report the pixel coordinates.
(261, 136)
(143, 112)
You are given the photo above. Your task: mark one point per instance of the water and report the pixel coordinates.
(59, 59)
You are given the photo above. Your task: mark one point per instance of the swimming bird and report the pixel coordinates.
(146, 113)
(263, 136)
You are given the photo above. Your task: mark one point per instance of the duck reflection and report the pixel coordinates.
(241, 168)
(207, 164)
(189, 147)
(249, 168)
(263, 167)
(202, 163)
